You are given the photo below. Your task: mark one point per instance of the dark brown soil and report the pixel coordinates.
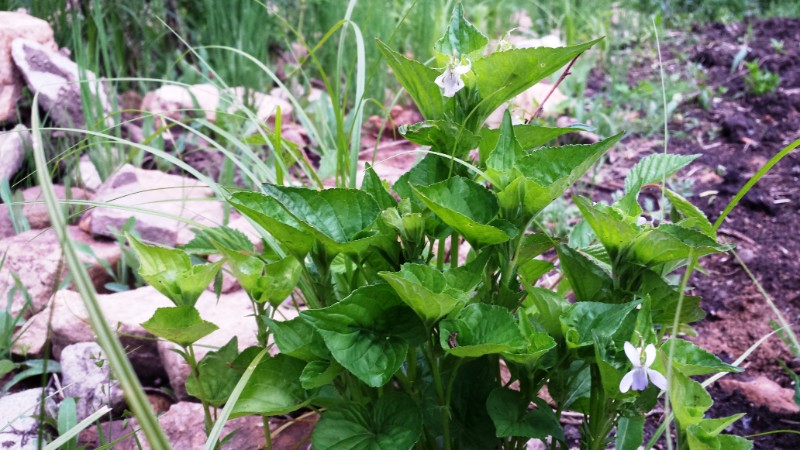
(737, 135)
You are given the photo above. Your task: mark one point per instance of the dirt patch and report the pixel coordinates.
(737, 135)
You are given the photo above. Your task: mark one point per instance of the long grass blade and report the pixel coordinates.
(80, 426)
(123, 370)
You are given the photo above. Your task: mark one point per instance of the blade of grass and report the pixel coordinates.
(80, 426)
(216, 432)
(123, 370)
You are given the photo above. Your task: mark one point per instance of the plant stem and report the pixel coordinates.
(267, 432)
(443, 402)
(191, 359)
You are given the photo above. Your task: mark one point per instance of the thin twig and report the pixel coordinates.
(555, 86)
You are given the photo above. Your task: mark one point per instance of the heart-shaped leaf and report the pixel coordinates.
(393, 423)
(512, 417)
(340, 218)
(547, 173)
(425, 290)
(319, 373)
(467, 207)
(650, 169)
(460, 37)
(418, 79)
(171, 272)
(671, 242)
(528, 137)
(264, 282)
(274, 388)
(368, 332)
(585, 320)
(219, 371)
(480, 329)
(270, 215)
(298, 339)
(180, 324)
(692, 360)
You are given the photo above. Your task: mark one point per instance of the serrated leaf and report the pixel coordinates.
(630, 433)
(219, 371)
(274, 388)
(528, 136)
(205, 241)
(688, 398)
(480, 329)
(692, 216)
(393, 423)
(548, 172)
(513, 418)
(180, 324)
(319, 373)
(270, 215)
(692, 360)
(425, 290)
(671, 242)
(608, 224)
(465, 206)
(443, 136)
(370, 338)
(418, 80)
(585, 320)
(504, 155)
(548, 308)
(298, 339)
(170, 271)
(502, 75)
(373, 185)
(340, 218)
(460, 37)
(589, 282)
(264, 282)
(650, 169)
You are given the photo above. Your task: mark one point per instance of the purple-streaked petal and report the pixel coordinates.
(639, 379)
(649, 355)
(440, 80)
(627, 380)
(633, 354)
(657, 379)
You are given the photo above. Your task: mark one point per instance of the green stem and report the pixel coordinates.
(191, 359)
(440, 254)
(267, 432)
(454, 247)
(443, 402)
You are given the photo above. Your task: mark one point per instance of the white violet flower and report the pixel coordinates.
(451, 80)
(637, 378)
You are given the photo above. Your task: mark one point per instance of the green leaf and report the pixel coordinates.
(264, 282)
(536, 345)
(608, 224)
(368, 332)
(716, 426)
(319, 373)
(373, 186)
(219, 371)
(273, 389)
(671, 242)
(467, 207)
(298, 339)
(270, 215)
(548, 172)
(665, 301)
(589, 282)
(340, 218)
(432, 169)
(528, 137)
(630, 433)
(548, 308)
(512, 417)
(533, 245)
(466, 276)
(650, 169)
(729, 442)
(502, 75)
(424, 289)
(418, 80)
(207, 240)
(35, 368)
(171, 272)
(6, 365)
(460, 37)
(480, 329)
(584, 320)
(533, 269)
(443, 136)
(471, 427)
(180, 324)
(692, 360)
(688, 398)
(67, 419)
(504, 155)
(393, 423)
(693, 217)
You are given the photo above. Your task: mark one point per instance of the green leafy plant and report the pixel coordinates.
(760, 81)
(402, 342)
